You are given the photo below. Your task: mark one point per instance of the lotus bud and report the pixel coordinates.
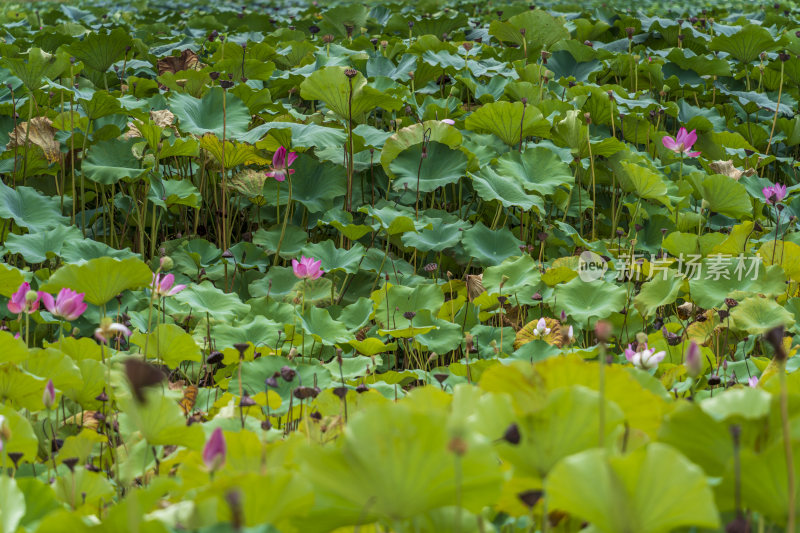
(215, 450)
(49, 395)
(602, 330)
(166, 263)
(693, 360)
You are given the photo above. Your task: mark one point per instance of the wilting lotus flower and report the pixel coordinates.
(693, 361)
(49, 395)
(164, 286)
(753, 381)
(645, 358)
(24, 300)
(306, 268)
(109, 329)
(281, 162)
(68, 304)
(774, 193)
(681, 143)
(541, 329)
(214, 450)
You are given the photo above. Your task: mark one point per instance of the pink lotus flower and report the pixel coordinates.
(306, 268)
(281, 162)
(682, 143)
(109, 329)
(68, 305)
(215, 450)
(449, 121)
(753, 381)
(645, 359)
(164, 286)
(49, 394)
(24, 300)
(774, 193)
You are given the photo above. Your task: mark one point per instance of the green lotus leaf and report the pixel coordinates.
(508, 191)
(206, 299)
(204, 115)
(101, 279)
(43, 245)
(30, 209)
(10, 279)
(644, 182)
(783, 253)
(169, 344)
(438, 238)
(318, 323)
(738, 404)
(765, 484)
(538, 170)
(84, 488)
(39, 64)
(727, 197)
(362, 489)
(333, 258)
(543, 29)
(159, 420)
(53, 364)
(587, 302)
(24, 440)
(350, 98)
(98, 51)
(255, 372)
(40, 500)
(661, 290)
(756, 315)
(21, 389)
(434, 130)
(490, 247)
(746, 44)
(615, 493)
(509, 121)
(549, 434)
(441, 166)
(112, 160)
(294, 239)
(12, 504)
(101, 104)
(717, 278)
(518, 278)
(12, 350)
(168, 193)
(710, 447)
(317, 186)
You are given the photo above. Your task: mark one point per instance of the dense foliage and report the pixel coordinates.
(423, 266)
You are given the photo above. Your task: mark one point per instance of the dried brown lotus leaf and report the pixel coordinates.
(41, 133)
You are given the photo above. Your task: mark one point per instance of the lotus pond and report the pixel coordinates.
(430, 266)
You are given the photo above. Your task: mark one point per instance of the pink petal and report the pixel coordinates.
(669, 143)
(279, 158)
(290, 159)
(690, 138)
(49, 303)
(693, 154)
(176, 289)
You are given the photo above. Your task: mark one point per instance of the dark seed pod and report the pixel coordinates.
(530, 497)
(214, 358)
(287, 373)
(70, 463)
(361, 388)
(512, 435)
(714, 380)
